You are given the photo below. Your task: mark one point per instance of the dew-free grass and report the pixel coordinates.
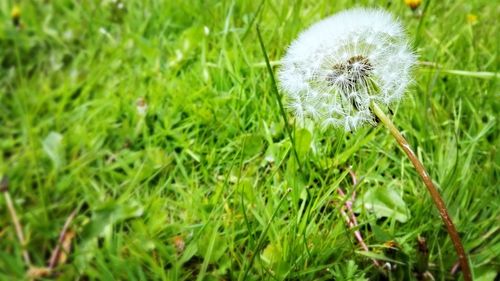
(210, 163)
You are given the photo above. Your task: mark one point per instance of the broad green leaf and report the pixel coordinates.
(251, 144)
(52, 145)
(485, 274)
(189, 252)
(271, 254)
(377, 256)
(104, 218)
(386, 202)
(303, 140)
(272, 154)
(211, 245)
(379, 233)
(100, 223)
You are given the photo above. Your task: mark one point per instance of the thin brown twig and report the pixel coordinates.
(353, 177)
(455, 267)
(57, 250)
(4, 188)
(350, 218)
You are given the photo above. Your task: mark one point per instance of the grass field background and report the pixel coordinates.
(156, 122)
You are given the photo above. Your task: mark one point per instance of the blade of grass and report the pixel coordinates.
(262, 235)
(277, 95)
(250, 25)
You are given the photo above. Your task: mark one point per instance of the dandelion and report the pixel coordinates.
(343, 70)
(15, 15)
(413, 4)
(339, 66)
(471, 19)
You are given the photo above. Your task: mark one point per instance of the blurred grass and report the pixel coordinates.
(204, 184)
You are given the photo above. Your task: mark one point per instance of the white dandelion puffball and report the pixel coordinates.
(338, 66)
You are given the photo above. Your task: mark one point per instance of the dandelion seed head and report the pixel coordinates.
(338, 66)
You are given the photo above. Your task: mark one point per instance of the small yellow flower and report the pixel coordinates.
(413, 4)
(471, 19)
(15, 14)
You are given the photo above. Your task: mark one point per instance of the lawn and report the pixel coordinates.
(151, 129)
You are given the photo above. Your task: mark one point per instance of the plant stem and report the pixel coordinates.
(54, 259)
(4, 188)
(438, 201)
(352, 223)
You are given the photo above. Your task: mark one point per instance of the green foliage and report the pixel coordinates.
(385, 202)
(156, 120)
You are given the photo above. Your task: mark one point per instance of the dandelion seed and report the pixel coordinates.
(347, 61)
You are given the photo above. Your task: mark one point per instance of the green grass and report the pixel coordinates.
(210, 165)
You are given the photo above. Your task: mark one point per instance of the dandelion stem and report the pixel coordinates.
(438, 201)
